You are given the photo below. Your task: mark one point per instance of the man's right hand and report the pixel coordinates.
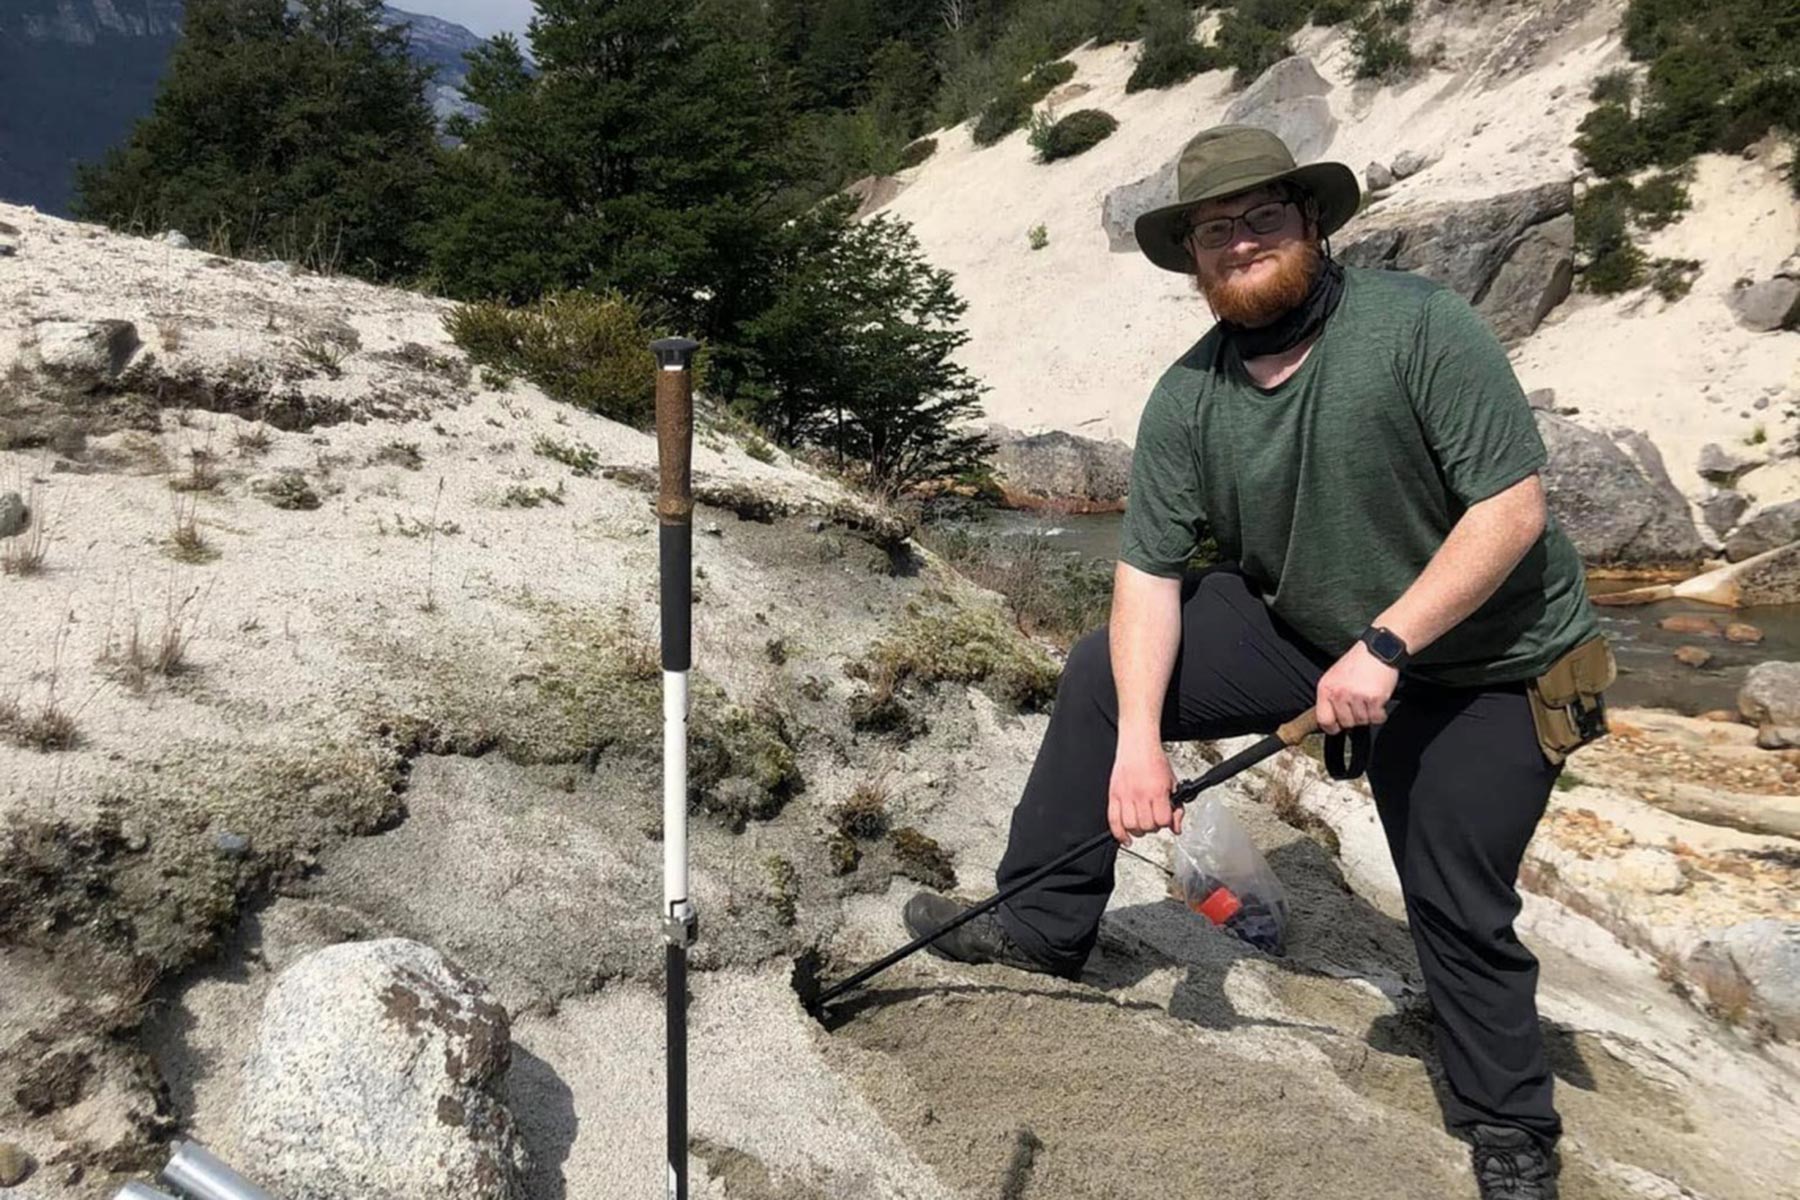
(1137, 799)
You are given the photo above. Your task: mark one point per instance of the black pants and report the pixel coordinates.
(1458, 779)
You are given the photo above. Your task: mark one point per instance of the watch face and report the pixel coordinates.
(1387, 646)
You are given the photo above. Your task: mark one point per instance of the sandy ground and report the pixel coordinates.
(1072, 337)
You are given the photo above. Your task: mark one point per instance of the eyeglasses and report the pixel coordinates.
(1264, 218)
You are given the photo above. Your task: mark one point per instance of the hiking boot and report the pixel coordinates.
(982, 940)
(1510, 1164)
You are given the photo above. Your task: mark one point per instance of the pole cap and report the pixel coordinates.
(674, 352)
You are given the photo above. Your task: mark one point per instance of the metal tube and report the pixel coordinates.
(196, 1172)
(675, 518)
(140, 1191)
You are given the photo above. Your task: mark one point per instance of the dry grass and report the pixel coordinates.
(253, 441)
(140, 659)
(1283, 791)
(202, 474)
(186, 543)
(24, 553)
(50, 726)
(864, 815)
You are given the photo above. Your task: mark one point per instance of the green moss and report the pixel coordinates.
(784, 888)
(884, 713)
(920, 858)
(962, 644)
(841, 852)
(741, 763)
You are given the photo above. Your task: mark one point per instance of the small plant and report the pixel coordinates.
(1378, 42)
(202, 474)
(1659, 200)
(577, 456)
(253, 441)
(289, 490)
(520, 496)
(784, 888)
(186, 543)
(1758, 436)
(1169, 54)
(864, 815)
(430, 604)
(322, 350)
(400, 454)
(1038, 237)
(759, 448)
(140, 659)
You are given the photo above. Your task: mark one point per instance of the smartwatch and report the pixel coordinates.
(1386, 645)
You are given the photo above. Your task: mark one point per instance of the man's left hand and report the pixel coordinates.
(1355, 691)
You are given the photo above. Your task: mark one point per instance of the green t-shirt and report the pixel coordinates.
(1336, 487)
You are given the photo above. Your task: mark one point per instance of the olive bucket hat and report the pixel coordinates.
(1228, 159)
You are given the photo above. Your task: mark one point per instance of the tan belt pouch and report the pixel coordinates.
(1567, 704)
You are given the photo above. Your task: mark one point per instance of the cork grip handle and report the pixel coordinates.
(1299, 729)
(674, 446)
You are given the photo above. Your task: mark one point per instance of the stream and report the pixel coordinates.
(1649, 676)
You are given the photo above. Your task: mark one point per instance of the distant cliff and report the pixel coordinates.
(75, 75)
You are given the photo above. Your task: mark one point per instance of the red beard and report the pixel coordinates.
(1256, 302)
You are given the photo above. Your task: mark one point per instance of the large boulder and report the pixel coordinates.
(85, 353)
(1770, 304)
(377, 1071)
(1121, 207)
(1614, 498)
(1725, 467)
(1289, 100)
(1751, 974)
(1511, 256)
(1770, 700)
(1775, 525)
(1063, 471)
(1722, 510)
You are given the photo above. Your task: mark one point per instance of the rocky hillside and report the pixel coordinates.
(329, 800)
(76, 74)
(1688, 408)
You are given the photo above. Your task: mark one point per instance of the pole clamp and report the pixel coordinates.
(681, 924)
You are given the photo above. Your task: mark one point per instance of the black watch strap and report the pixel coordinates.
(1386, 645)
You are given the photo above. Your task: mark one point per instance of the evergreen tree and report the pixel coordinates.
(644, 153)
(854, 354)
(297, 130)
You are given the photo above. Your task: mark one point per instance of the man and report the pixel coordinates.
(1359, 446)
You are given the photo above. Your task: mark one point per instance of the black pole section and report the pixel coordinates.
(1290, 734)
(675, 517)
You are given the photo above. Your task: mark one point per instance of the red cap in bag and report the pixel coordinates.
(1219, 906)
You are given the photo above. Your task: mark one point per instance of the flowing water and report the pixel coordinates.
(1648, 672)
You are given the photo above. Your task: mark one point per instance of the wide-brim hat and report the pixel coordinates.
(1228, 159)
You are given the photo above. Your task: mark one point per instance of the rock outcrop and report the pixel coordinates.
(1064, 472)
(1614, 498)
(1511, 256)
(1751, 974)
(1771, 304)
(1289, 100)
(1775, 525)
(1770, 700)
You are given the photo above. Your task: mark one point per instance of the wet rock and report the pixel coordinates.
(1703, 626)
(15, 1165)
(1721, 509)
(86, 353)
(1776, 525)
(14, 516)
(1743, 632)
(1770, 700)
(1692, 656)
(1724, 467)
(1511, 256)
(1064, 471)
(1614, 499)
(1289, 100)
(1751, 974)
(1377, 178)
(378, 1069)
(1770, 304)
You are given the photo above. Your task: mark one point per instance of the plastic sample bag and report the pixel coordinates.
(1220, 874)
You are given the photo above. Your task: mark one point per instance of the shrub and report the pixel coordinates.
(1046, 79)
(916, 153)
(1076, 132)
(1248, 47)
(1611, 142)
(1327, 13)
(589, 350)
(1378, 42)
(1659, 200)
(1039, 236)
(1008, 110)
(1673, 278)
(1602, 235)
(1169, 55)
(1121, 21)
(1615, 87)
